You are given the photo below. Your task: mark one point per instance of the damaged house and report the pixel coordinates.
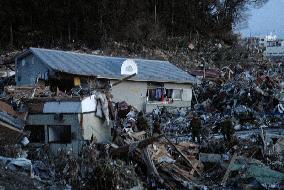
(71, 116)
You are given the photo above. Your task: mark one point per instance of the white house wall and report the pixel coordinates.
(89, 104)
(134, 93)
(96, 127)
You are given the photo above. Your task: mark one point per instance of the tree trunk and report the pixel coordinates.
(11, 35)
(69, 33)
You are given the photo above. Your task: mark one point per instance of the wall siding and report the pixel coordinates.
(29, 71)
(134, 93)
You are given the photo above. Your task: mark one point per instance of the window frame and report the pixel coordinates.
(69, 141)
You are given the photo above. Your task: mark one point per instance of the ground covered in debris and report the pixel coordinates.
(15, 180)
(238, 144)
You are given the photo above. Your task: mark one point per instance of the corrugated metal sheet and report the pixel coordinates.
(109, 67)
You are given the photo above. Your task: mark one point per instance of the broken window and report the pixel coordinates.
(36, 133)
(59, 134)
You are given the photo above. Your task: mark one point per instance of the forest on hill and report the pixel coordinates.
(53, 23)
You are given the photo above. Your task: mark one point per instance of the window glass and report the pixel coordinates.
(177, 94)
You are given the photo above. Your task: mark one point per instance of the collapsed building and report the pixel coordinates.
(78, 91)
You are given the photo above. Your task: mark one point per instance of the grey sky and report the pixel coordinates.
(269, 18)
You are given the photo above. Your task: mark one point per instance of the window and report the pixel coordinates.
(59, 134)
(160, 94)
(177, 94)
(156, 94)
(36, 133)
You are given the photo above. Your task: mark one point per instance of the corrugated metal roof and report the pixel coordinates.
(109, 67)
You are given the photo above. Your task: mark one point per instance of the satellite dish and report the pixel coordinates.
(129, 67)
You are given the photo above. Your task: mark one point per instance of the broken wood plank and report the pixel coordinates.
(194, 166)
(184, 156)
(151, 168)
(140, 144)
(263, 138)
(175, 177)
(159, 150)
(226, 176)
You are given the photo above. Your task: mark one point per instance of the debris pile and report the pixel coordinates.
(231, 138)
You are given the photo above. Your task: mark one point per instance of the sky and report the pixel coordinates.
(267, 19)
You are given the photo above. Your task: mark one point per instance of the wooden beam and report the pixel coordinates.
(226, 176)
(123, 79)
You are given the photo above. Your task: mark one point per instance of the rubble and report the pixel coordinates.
(11, 124)
(241, 138)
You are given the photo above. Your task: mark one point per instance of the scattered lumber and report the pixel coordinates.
(140, 144)
(189, 162)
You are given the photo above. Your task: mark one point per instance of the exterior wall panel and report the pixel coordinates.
(68, 119)
(96, 127)
(134, 93)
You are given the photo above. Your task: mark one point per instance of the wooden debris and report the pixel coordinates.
(189, 162)
(151, 168)
(226, 176)
(140, 144)
(138, 135)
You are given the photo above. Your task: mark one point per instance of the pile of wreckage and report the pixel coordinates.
(156, 150)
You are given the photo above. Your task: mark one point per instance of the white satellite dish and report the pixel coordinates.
(129, 67)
